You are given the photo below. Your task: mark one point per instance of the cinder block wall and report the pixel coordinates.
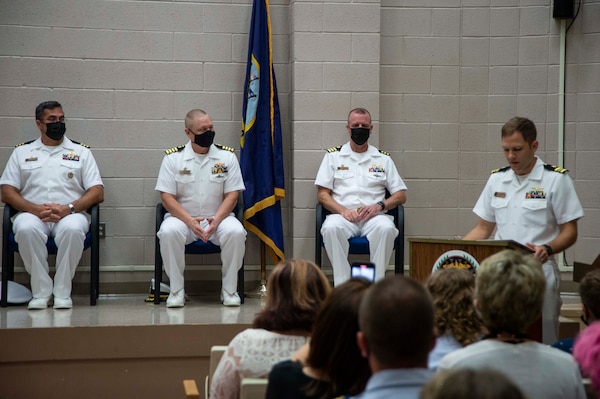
(452, 72)
(440, 77)
(335, 62)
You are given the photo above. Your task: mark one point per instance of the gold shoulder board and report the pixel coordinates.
(384, 152)
(334, 149)
(174, 149)
(224, 147)
(555, 168)
(504, 169)
(27, 142)
(81, 144)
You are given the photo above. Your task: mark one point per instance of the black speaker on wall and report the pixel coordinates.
(562, 9)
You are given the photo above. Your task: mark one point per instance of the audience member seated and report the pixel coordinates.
(296, 290)
(456, 320)
(331, 365)
(470, 383)
(396, 335)
(587, 354)
(509, 293)
(589, 292)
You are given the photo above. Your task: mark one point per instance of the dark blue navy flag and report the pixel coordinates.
(261, 156)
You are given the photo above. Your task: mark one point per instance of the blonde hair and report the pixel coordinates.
(452, 293)
(510, 290)
(470, 383)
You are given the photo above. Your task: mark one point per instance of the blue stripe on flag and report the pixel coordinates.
(261, 155)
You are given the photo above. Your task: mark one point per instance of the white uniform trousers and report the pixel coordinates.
(174, 235)
(379, 230)
(32, 234)
(552, 302)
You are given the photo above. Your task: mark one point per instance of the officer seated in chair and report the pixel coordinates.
(352, 181)
(199, 185)
(51, 181)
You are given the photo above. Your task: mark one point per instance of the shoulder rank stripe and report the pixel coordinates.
(27, 142)
(334, 149)
(555, 168)
(81, 144)
(224, 147)
(384, 152)
(174, 149)
(504, 169)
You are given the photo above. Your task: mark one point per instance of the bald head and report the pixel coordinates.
(193, 115)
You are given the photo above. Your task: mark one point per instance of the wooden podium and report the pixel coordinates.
(424, 253)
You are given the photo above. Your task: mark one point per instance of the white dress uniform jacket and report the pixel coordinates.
(199, 182)
(46, 174)
(531, 211)
(355, 180)
(51, 174)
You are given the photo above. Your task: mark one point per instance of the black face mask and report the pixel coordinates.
(55, 130)
(205, 139)
(360, 135)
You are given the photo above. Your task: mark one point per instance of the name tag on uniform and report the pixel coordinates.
(342, 167)
(499, 194)
(185, 171)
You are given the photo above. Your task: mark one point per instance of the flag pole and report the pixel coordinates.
(261, 291)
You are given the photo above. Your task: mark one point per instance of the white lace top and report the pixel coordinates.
(251, 354)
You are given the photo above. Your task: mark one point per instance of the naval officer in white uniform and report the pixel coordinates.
(351, 183)
(51, 181)
(532, 203)
(199, 185)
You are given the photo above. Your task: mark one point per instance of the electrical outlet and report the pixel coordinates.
(102, 228)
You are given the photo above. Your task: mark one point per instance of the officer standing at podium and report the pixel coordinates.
(532, 203)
